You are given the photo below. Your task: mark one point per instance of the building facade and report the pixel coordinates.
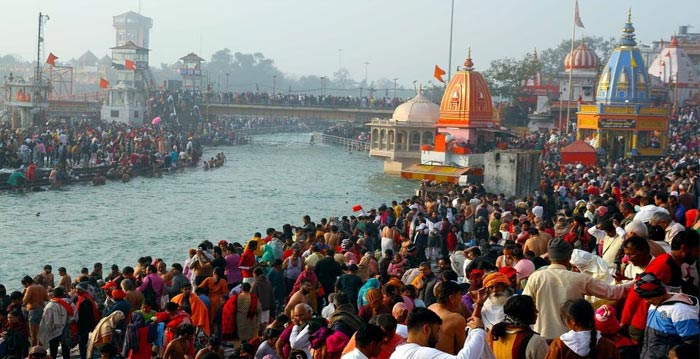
(132, 27)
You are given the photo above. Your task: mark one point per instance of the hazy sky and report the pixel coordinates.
(400, 38)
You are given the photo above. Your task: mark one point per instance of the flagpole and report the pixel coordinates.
(571, 72)
(449, 61)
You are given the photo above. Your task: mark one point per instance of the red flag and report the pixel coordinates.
(104, 83)
(577, 17)
(129, 65)
(438, 73)
(51, 60)
(356, 208)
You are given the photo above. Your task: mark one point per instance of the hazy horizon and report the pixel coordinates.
(400, 39)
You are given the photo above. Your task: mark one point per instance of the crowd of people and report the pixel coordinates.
(304, 99)
(593, 264)
(598, 262)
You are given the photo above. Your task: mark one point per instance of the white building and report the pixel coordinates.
(398, 140)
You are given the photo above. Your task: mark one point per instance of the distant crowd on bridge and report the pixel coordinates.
(300, 99)
(282, 99)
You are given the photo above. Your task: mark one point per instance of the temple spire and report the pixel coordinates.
(468, 63)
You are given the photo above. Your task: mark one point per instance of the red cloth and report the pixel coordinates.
(144, 351)
(65, 305)
(31, 173)
(635, 310)
(229, 328)
(451, 241)
(247, 260)
(85, 296)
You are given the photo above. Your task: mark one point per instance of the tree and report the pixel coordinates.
(505, 76)
(342, 79)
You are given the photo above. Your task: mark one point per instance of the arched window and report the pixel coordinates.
(415, 141)
(382, 139)
(428, 138)
(401, 141)
(375, 138)
(390, 140)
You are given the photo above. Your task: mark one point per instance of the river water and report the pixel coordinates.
(267, 184)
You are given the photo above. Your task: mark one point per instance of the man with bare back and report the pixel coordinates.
(181, 347)
(35, 296)
(452, 334)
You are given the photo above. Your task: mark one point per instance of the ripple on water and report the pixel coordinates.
(260, 186)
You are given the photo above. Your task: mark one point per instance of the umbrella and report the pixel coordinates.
(155, 121)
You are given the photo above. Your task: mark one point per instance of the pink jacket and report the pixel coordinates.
(395, 268)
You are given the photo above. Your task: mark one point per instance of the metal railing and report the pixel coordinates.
(348, 143)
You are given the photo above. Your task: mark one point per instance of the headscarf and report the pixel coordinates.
(648, 285)
(118, 294)
(589, 263)
(605, 320)
(104, 328)
(373, 295)
(369, 284)
(398, 309)
(494, 278)
(690, 217)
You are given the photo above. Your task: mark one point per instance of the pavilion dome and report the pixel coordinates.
(582, 58)
(624, 79)
(417, 110)
(467, 100)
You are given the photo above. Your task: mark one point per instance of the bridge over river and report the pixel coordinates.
(88, 105)
(326, 112)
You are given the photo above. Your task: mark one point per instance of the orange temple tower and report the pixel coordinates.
(466, 109)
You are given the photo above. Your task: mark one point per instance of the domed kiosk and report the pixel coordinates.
(622, 122)
(583, 65)
(398, 140)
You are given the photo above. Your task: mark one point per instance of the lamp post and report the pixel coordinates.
(323, 85)
(274, 84)
(395, 79)
(340, 52)
(449, 60)
(366, 64)
(227, 74)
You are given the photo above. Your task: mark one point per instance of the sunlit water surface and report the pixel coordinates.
(273, 182)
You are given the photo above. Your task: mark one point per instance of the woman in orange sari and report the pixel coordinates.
(217, 287)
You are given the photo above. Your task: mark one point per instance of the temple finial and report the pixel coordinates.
(468, 63)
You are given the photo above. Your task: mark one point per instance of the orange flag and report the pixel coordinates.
(438, 73)
(51, 60)
(103, 83)
(129, 65)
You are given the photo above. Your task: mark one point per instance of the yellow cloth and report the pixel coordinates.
(259, 249)
(104, 329)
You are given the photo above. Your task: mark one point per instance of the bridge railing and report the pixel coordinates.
(349, 143)
(328, 102)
